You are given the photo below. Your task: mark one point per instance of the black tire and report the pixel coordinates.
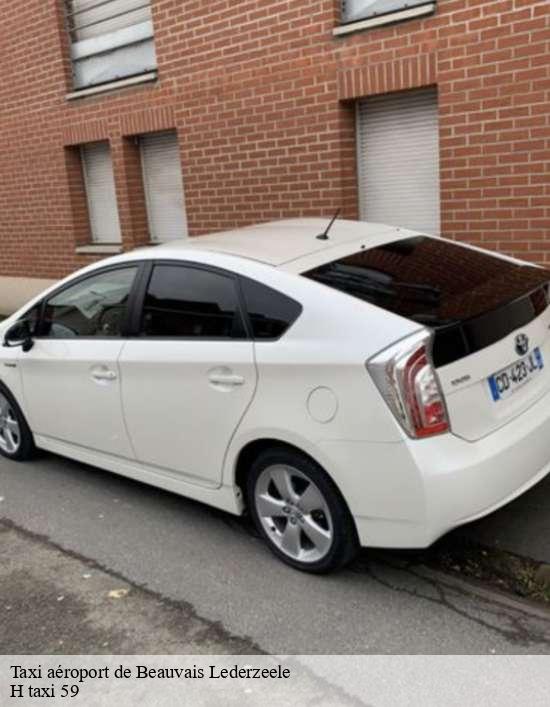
(26, 448)
(344, 543)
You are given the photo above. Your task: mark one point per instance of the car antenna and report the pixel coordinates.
(324, 236)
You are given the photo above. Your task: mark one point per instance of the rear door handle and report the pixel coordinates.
(225, 379)
(104, 375)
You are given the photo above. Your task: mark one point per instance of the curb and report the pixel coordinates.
(542, 576)
(472, 586)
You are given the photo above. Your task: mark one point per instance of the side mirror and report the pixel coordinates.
(19, 334)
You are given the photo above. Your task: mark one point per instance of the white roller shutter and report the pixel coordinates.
(100, 191)
(163, 183)
(398, 160)
(94, 18)
(110, 40)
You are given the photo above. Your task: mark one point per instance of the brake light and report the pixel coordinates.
(405, 376)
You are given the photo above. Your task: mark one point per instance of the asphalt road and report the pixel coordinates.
(185, 552)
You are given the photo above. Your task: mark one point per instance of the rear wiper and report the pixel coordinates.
(354, 283)
(360, 283)
(434, 291)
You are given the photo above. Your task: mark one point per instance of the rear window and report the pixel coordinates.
(471, 298)
(431, 281)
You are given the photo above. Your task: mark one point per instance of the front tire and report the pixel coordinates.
(16, 440)
(299, 512)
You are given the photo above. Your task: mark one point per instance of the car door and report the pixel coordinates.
(70, 377)
(189, 376)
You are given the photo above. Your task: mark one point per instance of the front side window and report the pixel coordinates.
(31, 318)
(94, 307)
(187, 302)
(270, 312)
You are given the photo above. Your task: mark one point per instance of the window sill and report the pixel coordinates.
(384, 20)
(99, 249)
(112, 86)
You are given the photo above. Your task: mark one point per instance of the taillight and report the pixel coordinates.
(406, 378)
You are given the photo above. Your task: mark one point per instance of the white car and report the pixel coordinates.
(368, 386)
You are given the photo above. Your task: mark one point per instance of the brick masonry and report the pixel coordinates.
(262, 96)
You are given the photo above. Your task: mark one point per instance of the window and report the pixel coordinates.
(110, 40)
(32, 318)
(469, 298)
(270, 312)
(99, 182)
(96, 306)
(398, 160)
(381, 11)
(163, 185)
(187, 302)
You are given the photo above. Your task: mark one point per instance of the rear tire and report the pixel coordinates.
(299, 512)
(16, 440)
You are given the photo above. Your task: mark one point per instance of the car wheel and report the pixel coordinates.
(16, 440)
(300, 512)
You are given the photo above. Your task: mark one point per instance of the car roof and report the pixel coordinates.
(287, 243)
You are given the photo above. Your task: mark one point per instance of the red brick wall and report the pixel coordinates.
(261, 95)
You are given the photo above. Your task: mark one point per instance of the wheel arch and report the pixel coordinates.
(252, 449)
(249, 451)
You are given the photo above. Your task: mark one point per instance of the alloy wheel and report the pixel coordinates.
(10, 434)
(294, 513)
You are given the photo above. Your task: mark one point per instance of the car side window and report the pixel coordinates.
(270, 312)
(32, 318)
(187, 302)
(93, 307)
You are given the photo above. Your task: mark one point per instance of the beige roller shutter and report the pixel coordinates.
(100, 191)
(398, 160)
(163, 183)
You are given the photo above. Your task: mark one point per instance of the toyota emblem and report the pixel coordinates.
(522, 344)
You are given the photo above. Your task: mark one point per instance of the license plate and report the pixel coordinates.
(506, 382)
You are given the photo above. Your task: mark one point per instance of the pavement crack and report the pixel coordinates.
(518, 634)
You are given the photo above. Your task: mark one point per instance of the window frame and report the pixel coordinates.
(135, 264)
(147, 273)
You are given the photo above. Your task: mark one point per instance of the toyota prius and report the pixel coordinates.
(359, 385)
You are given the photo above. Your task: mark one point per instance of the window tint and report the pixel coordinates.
(271, 313)
(95, 306)
(190, 302)
(470, 299)
(432, 281)
(32, 317)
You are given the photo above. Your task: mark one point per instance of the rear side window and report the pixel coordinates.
(270, 312)
(187, 302)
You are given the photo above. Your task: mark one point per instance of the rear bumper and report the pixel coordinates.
(408, 494)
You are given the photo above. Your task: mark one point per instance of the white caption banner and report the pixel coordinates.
(375, 681)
